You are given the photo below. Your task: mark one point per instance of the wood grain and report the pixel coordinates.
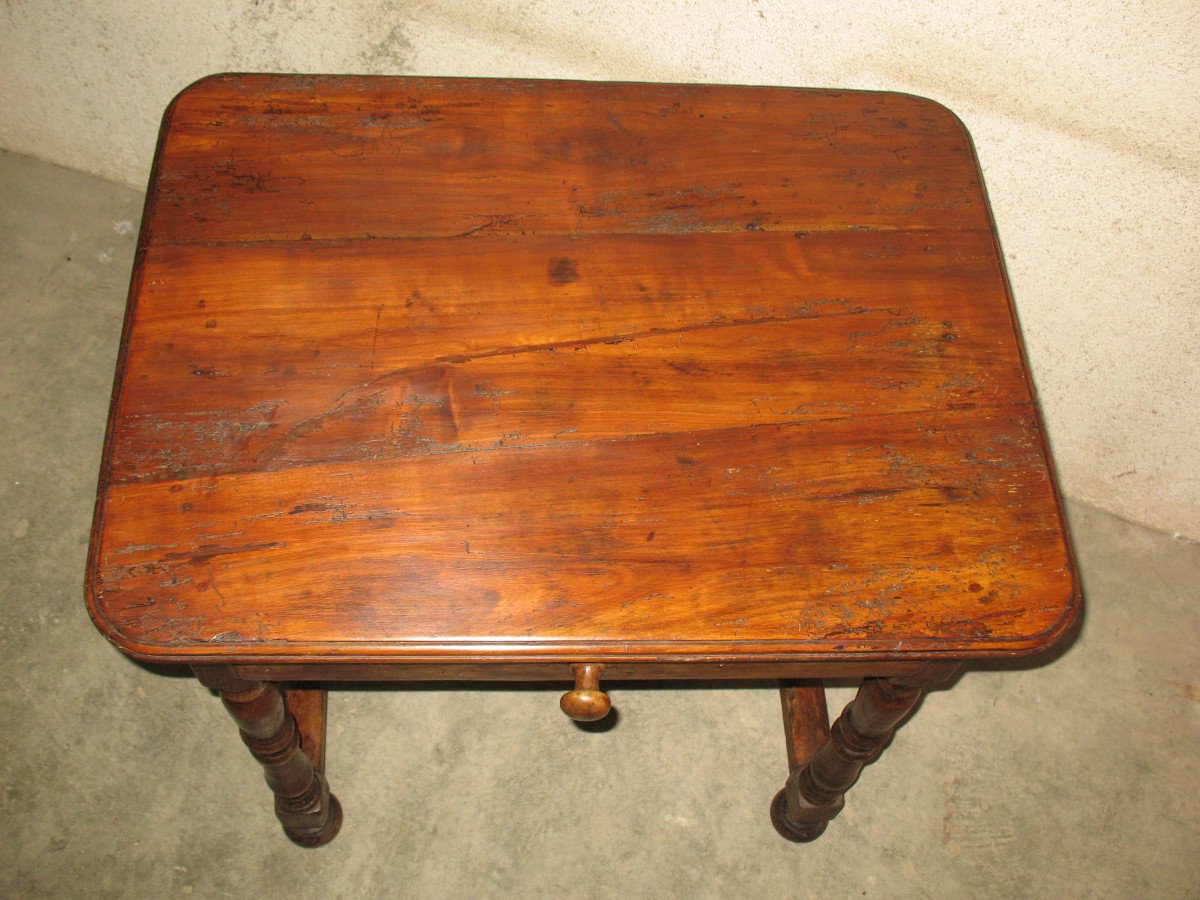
(805, 720)
(309, 706)
(650, 335)
(260, 157)
(453, 370)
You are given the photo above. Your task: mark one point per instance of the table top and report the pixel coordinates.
(457, 369)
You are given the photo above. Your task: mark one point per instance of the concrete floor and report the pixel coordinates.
(1078, 778)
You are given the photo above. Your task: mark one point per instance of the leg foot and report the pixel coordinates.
(323, 836)
(806, 726)
(793, 831)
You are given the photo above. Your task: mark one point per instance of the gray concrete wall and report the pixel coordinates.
(1085, 116)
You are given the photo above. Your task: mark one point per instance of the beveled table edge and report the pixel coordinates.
(492, 651)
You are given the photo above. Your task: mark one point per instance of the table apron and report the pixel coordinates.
(542, 671)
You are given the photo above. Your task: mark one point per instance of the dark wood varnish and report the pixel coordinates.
(805, 720)
(419, 368)
(586, 702)
(459, 378)
(626, 668)
(816, 789)
(310, 815)
(309, 706)
(340, 157)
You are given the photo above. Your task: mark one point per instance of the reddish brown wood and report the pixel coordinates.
(709, 372)
(815, 790)
(586, 702)
(621, 670)
(805, 720)
(310, 815)
(344, 157)
(454, 378)
(309, 707)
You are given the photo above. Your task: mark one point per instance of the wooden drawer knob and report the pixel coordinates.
(587, 703)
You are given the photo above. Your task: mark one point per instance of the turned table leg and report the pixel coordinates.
(821, 773)
(310, 815)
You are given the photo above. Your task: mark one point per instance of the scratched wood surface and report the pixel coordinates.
(423, 369)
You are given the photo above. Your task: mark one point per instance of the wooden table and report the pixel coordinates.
(524, 380)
